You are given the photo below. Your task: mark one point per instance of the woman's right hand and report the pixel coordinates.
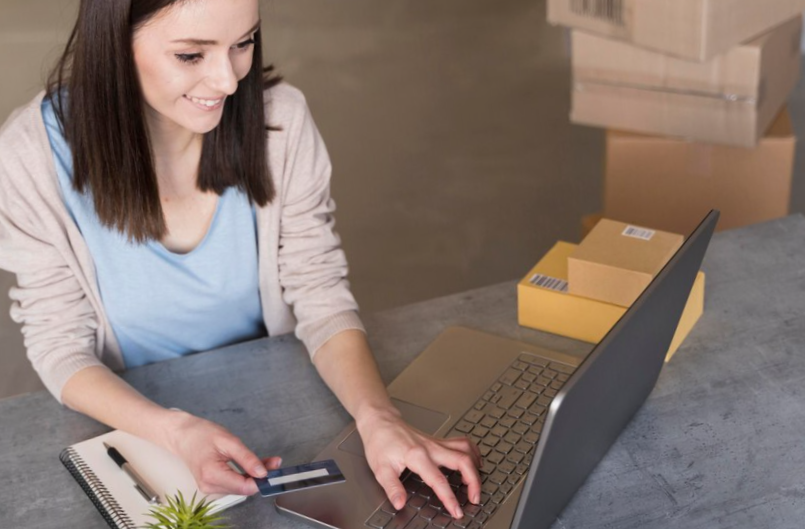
(207, 447)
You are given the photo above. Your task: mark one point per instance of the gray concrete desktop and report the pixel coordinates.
(718, 443)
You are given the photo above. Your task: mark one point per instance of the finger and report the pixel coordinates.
(234, 449)
(272, 463)
(464, 444)
(428, 470)
(464, 463)
(219, 478)
(392, 486)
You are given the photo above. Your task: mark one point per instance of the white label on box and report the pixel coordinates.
(609, 10)
(551, 283)
(638, 233)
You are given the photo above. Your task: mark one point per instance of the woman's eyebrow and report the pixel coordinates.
(204, 42)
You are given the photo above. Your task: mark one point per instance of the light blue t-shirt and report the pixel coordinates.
(160, 304)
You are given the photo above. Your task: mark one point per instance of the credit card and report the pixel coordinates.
(289, 479)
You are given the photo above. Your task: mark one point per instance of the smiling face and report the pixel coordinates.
(190, 57)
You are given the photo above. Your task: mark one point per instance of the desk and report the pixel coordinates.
(719, 443)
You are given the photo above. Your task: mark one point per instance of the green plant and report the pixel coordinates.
(179, 514)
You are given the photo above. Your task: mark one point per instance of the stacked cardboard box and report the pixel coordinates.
(701, 87)
(582, 291)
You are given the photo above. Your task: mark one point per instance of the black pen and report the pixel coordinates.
(139, 483)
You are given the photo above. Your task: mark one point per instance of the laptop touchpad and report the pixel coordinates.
(423, 419)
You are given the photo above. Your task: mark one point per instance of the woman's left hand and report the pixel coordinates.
(391, 446)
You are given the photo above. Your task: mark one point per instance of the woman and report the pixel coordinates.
(149, 212)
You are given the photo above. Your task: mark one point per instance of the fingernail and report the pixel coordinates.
(397, 500)
(476, 499)
(260, 471)
(459, 513)
(279, 462)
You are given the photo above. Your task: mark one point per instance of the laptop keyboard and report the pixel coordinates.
(505, 423)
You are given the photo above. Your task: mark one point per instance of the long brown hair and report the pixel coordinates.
(98, 100)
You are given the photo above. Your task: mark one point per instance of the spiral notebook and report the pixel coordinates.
(113, 492)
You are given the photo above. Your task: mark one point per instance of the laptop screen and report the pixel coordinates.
(608, 388)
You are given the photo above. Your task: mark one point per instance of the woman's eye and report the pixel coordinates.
(245, 44)
(189, 57)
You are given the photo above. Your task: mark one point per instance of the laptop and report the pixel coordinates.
(543, 420)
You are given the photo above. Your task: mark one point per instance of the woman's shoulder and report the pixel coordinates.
(283, 102)
(21, 131)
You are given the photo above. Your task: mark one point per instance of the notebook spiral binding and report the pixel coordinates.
(96, 491)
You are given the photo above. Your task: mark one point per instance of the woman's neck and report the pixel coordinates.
(176, 154)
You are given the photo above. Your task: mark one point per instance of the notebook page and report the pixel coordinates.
(165, 472)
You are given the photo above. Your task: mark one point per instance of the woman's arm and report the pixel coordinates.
(347, 366)
(203, 445)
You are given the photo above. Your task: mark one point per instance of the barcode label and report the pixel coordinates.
(609, 10)
(638, 233)
(549, 282)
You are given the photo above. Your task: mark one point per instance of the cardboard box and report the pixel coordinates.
(671, 184)
(551, 308)
(588, 222)
(617, 261)
(730, 100)
(696, 30)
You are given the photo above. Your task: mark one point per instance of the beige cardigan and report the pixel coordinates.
(303, 270)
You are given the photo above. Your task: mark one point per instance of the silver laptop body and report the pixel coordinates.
(446, 384)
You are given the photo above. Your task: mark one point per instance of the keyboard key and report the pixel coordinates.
(379, 520)
(535, 370)
(507, 467)
(498, 497)
(425, 491)
(562, 377)
(480, 405)
(526, 400)
(418, 523)
(544, 401)
(506, 488)
(401, 519)
(538, 409)
(455, 479)
(464, 426)
(490, 508)
(556, 384)
(485, 450)
(489, 488)
(485, 498)
(496, 386)
(495, 457)
(521, 428)
(473, 416)
(463, 522)
(488, 395)
(499, 431)
(512, 438)
(480, 431)
(550, 373)
(495, 398)
(442, 521)
(488, 421)
(515, 456)
(435, 503)
(481, 517)
(562, 368)
(509, 396)
(542, 380)
(535, 361)
(531, 437)
(507, 422)
(537, 428)
(520, 366)
(513, 478)
(496, 412)
(550, 393)
(509, 377)
(504, 447)
(516, 412)
(523, 447)
(388, 507)
(487, 467)
(475, 524)
(529, 418)
(417, 502)
(491, 440)
(472, 509)
(528, 377)
(521, 469)
(428, 512)
(522, 384)
(497, 477)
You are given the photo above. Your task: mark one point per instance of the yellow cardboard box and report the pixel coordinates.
(543, 303)
(617, 261)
